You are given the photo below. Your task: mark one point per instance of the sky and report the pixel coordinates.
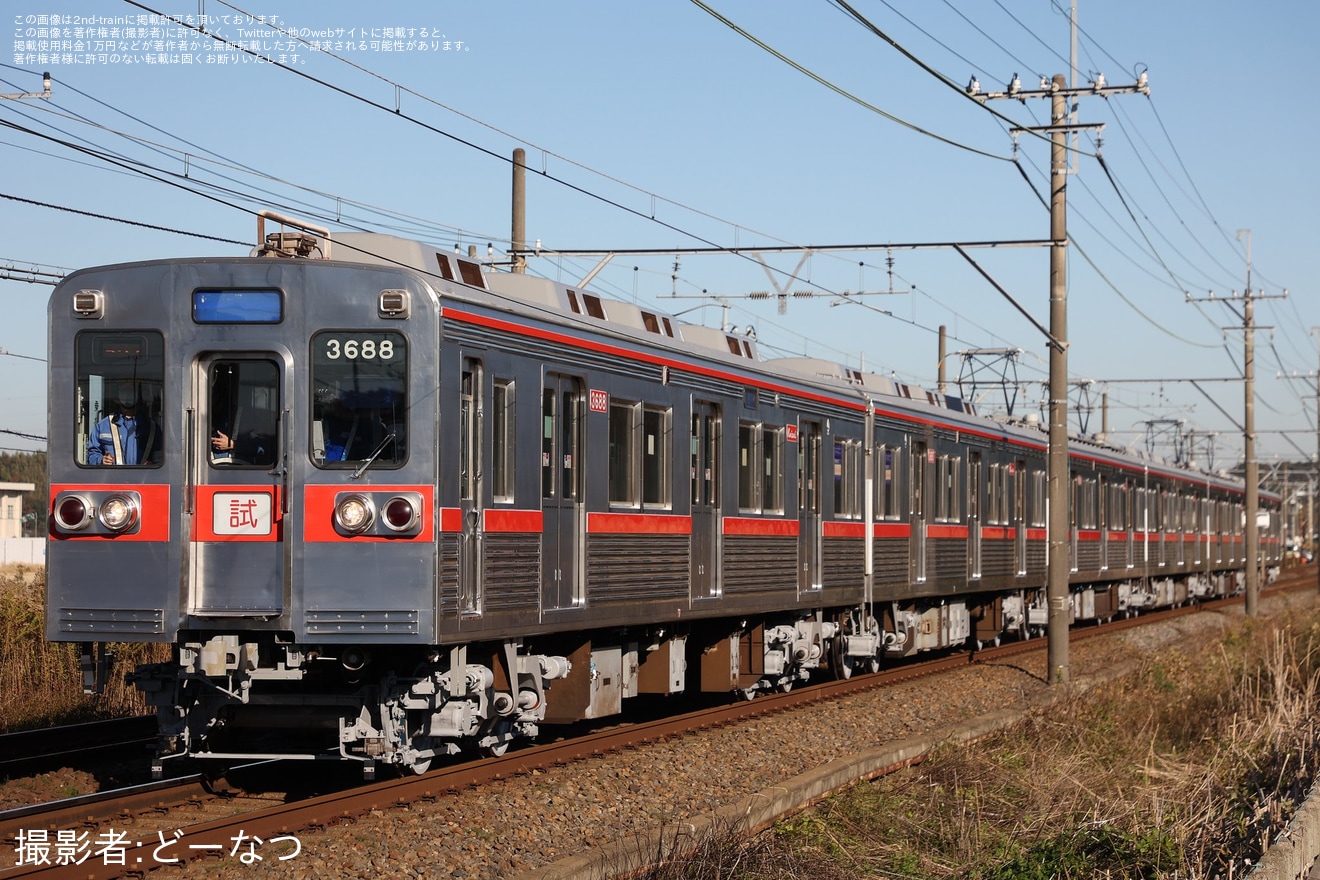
(730, 124)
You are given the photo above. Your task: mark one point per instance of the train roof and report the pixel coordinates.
(569, 303)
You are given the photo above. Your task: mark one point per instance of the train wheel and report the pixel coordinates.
(496, 750)
(839, 664)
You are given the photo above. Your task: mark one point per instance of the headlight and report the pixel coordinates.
(118, 513)
(354, 513)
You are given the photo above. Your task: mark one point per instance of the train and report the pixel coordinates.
(390, 505)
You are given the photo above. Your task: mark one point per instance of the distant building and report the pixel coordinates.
(11, 508)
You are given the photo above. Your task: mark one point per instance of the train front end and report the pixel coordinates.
(243, 465)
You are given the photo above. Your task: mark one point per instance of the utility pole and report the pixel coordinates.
(1315, 485)
(1057, 591)
(1251, 467)
(518, 232)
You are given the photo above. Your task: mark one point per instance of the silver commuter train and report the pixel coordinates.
(389, 506)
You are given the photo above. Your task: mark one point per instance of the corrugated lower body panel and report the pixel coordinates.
(1118, 554)
(1088, 556)
(631, 568)
(512, 577)
(891, 560)
(347, 621)
(106, 622)
(1037, 556)
(757, 563)
(998, 559)
(448, 576)
(949, 558)
(843, 562)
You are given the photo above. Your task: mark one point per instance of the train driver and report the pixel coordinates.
(252, 443)
(126, 437)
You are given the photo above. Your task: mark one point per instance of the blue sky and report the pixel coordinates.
(630, 111)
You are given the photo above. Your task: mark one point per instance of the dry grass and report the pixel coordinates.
(727, 853)
(1187, 769)
(41, 680)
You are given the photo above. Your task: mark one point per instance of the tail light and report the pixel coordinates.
(73, 513)
(400, 514)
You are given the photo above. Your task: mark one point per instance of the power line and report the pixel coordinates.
(839, 90)
(137, 223)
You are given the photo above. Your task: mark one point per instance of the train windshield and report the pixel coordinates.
(359, 398)
(121, 380)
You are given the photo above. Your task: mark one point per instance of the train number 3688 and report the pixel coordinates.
(359, 349)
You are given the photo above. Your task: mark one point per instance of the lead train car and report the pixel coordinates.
(388, 507)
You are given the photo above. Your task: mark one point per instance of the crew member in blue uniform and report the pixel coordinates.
(124, 438)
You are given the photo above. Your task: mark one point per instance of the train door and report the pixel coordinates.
(704, 448)
(238, 443)
(561, 492)
(1105, 500)
(1020, 515)
(975, 480)
(471, 488)
(1074, 521)
(1161, 527)
(921, 462)
(1130, 521)
(810, 484)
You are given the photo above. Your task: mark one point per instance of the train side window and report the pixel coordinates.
(1038, 498)
(946, 493)
(623, 454)
(747, 469)
(359, 398)
(657, 456)
(120, 380)
(847, 475)
(887, 485)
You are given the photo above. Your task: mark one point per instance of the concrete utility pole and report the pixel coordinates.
(1057, 590)
(1315, 485)
(1251, 467)
(518, 235)
(944, 353)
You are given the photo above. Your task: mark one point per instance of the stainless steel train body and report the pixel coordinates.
(388, 506)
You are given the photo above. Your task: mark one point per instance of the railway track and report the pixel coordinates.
(283, 820)
(30, 751)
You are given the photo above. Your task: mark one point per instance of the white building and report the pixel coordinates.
(11, 508)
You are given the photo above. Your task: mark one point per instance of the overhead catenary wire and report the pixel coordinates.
(1119, 177)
